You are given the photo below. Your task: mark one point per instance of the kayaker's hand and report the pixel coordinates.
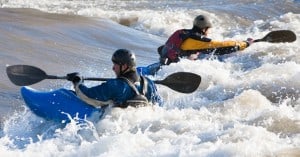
(74, 77)
(249, 41)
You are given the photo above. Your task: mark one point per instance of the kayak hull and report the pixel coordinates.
(58, 105)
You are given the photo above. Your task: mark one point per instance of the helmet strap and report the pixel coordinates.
(198, 30)
(123, 71)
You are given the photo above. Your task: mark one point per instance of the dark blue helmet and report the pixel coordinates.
(124, 56)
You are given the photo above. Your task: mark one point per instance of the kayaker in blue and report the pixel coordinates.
(127, 89)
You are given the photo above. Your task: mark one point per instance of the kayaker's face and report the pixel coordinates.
(206, 31)
(117, 68)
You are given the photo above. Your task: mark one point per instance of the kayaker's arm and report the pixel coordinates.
(216, 51)
(88, 100)
(191, 46)
(80, 90)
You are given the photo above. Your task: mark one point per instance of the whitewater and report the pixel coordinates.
(248, 104)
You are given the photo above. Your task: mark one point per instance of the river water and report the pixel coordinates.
(246, 105)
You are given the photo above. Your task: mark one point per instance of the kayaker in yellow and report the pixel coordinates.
(191, 42)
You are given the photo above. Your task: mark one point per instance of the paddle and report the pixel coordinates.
(278, 36)
(23, 75)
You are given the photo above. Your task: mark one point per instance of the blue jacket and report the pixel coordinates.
(117, 91)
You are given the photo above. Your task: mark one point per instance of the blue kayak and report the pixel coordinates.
(58, 105)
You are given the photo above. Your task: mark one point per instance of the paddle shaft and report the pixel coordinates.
(65, 77)
(24, 75)
(162, 82)
(89, 78)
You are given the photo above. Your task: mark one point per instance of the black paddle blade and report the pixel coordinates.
(183, 82)
(279, 36)
(23, 75)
